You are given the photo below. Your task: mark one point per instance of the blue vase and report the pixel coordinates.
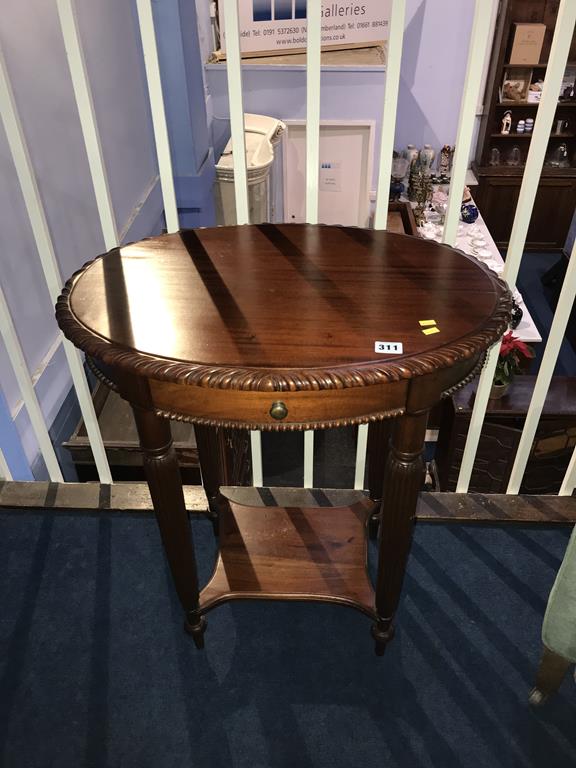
(468, 213)
(396, 189)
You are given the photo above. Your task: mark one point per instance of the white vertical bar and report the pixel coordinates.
(45, 246)
(309, 458)
(536, 154)
(148, 35)
(477, 53)
(555, 338)
(313, 71)
(5, 473)
(569, 482)
(313, 74)
(393, 64)
(361, 446)
(236, 106)
(477, 419)
(234, 75)
(16, 355)
(85, 104)
(256, 451)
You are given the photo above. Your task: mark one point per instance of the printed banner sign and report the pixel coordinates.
(275, 26)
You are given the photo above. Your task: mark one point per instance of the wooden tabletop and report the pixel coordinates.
(300, 306)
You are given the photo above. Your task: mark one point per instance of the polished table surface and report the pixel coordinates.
(284, 327)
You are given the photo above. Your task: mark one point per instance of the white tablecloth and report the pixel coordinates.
(527, 330)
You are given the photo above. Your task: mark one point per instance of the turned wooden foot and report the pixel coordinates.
(195, 625)
(382, 633)
(551, 672)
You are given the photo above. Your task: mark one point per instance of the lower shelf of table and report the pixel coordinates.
(292, 553)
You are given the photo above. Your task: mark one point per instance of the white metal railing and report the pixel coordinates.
(394, 61)
(478, 50)
(535, 160)
(555, 338)
(569, 482)
(313, 72)
(26, 385)
(87, 115)
(154, 81)
(46, 252)
(234, 74)
(477, 53)
(5, 473)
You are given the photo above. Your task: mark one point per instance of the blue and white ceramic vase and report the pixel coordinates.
(427, 156)
(468, 212)
(410, 153)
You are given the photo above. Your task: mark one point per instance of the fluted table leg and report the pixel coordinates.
(165, 483)
(403, 479)
(224, 456)
(377, 453)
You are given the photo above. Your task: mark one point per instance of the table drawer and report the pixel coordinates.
(279, 410)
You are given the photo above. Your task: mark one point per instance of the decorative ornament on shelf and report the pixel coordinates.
(494, 156)
(512, 353)
(559, 157)
(399, 169)
(468, 211)
(516, 315)
(426, 158)
(535, 92)
(514, 157)
(440, 204)
(419, 190)
(506, 122)
(414, 180)
(410, 153)
(445, 160)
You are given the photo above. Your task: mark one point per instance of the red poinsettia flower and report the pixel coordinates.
(508, 364)
(511, 343)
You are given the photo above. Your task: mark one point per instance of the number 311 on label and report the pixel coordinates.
(388, 347)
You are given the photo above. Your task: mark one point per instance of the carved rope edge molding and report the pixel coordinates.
(237, 378)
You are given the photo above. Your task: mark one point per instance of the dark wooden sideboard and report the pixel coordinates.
(551, 451)
(497, 195)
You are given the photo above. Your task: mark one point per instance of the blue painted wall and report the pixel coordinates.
(436, 39)
(11, 444)
(35, 57)
(184, 99)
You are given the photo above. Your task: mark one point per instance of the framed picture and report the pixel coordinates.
(345, 173)
(515, 85)
(568, 87)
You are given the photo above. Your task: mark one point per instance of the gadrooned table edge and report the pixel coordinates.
(275, 379)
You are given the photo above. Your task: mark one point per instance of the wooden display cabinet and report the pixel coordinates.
(499, 186)
(550, 453)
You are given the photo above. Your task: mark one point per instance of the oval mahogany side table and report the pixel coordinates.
(285, 327)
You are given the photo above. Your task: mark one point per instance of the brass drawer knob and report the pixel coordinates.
(278, 410)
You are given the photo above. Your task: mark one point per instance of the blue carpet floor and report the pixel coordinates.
(96, 670)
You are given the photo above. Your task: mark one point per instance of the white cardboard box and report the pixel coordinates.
(527, 43)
